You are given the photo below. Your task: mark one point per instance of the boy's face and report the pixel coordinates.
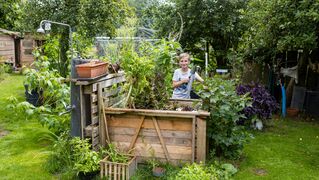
(184, 62)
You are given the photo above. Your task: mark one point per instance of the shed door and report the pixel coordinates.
(17, 52)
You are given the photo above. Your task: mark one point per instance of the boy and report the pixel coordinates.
(182, 77)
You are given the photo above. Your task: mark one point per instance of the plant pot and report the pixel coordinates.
(91, 69)
(292, 112)
(158, 171)
(34, 97)
(88, 175)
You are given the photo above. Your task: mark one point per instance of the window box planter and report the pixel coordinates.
(91, 69)
(114, 170)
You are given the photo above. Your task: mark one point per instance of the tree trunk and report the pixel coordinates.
(64, 47)
(302, 68)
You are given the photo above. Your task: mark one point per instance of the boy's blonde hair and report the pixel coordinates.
(183, 55)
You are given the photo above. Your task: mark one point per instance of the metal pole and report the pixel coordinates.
(62, 24)
(206, 58)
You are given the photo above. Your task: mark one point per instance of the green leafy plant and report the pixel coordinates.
(73, 156)
(197, 171)
(114, 155)
(219, 97)
(42, 78)
(208, 172)
(85, 160)
(148, 69)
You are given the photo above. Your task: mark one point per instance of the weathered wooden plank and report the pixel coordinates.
(152, 140)
(109, 76)
(156, 150)
(88, 89)
(93, 98)
(111, 92)
(148, 112)
(177, 162)
(82, 113)
(94, 119)
(137, 132)
(110, 101)
(91, 131)
(94, 109)
(161, 138)
(95, 141)
(201, 140)
(112, 81)
(151, 133)
(182, 124)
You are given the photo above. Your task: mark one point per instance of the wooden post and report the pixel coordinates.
(101, 116)
(76, 129)
(201, 140)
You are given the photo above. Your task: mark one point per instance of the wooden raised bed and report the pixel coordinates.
(175, 136)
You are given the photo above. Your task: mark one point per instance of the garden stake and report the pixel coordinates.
(104, 117)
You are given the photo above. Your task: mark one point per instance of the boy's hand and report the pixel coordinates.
(186, 80)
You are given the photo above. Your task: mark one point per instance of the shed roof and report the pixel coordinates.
(11, 33)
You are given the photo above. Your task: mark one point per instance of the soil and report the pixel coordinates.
(260, 172)
(3, 133)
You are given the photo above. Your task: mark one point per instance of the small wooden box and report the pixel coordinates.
(120, 171)
(91, 69)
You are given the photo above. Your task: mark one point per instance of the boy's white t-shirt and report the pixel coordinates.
(180, 92)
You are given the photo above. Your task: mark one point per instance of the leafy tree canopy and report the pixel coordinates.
(216, 21)
(276, 26)
(89, 17)
(10, 13)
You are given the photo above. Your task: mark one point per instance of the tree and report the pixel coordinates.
(279, 26)
(215, 21)
(88, 17)
(10, 14)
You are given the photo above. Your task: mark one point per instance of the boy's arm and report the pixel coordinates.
(200, 79)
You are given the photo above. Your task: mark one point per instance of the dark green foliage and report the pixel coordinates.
(89, 18)
(188, 171)
(114, 155)
(10, 14)
(277, 26)
(219, 96)
(72, 156)
(216, 22)
(148, 71)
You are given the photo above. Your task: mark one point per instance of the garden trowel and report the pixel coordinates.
(191, 80)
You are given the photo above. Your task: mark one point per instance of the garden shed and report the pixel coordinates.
(8, 40)
(16, 48)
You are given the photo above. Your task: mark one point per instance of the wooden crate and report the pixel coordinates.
(171, 136)
(119, 171)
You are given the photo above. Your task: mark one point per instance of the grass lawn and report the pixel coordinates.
(22, 155)
(289, 149)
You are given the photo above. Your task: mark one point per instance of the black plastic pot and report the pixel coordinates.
(34, 97)
(88, 176)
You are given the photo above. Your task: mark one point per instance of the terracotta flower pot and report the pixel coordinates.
(292, 112)
(158, 171)
(91, 69)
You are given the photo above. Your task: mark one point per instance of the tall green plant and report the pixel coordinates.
(219, 97)
(149, 71)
